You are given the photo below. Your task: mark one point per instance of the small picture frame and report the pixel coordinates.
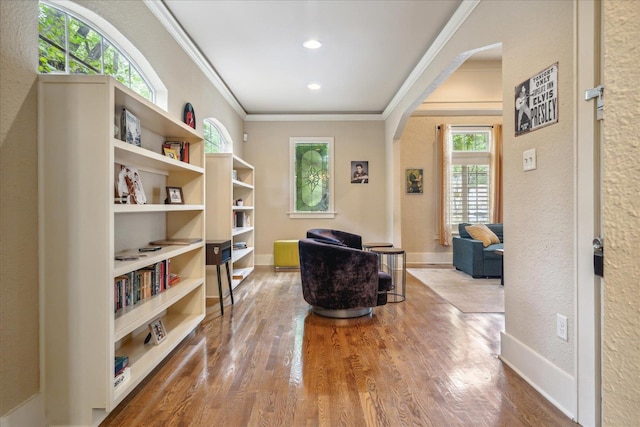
(174, 196)
(413, 180)
(158, 331)
(170, 152)
(360, 172)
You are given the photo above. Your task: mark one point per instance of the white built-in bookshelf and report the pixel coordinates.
(230, 178)
(82, 229)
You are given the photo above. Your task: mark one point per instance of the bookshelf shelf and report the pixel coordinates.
(230, 178)
(82, 230)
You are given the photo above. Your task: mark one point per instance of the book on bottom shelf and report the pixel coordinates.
(121, 378)
(120, 364)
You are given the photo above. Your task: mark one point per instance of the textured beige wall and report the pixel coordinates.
(621, 349)
(19, 360)
(361, 208)
(539, 210)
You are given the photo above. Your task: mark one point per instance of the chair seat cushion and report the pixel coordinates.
(490, 251)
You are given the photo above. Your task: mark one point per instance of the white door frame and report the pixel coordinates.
(588, 309)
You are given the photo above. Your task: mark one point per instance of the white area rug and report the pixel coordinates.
(467, 294)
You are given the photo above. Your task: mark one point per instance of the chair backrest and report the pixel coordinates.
(337, 277)
(336, 236)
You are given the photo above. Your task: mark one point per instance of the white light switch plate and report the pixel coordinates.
(529, 160)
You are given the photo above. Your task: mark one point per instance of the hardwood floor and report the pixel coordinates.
(270, 362)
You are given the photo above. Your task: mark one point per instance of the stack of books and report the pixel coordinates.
(122, 371)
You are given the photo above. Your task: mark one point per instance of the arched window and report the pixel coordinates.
(216, 137)
(69, 45)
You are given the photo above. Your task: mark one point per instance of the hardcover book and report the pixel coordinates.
(121, 378)
(130, 128)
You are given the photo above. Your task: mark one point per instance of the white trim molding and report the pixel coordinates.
(168, 21)
(557, 386)
(456, 21)
(314, 117)
(30, 413)
(160, 92)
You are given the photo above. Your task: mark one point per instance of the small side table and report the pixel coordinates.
(392, 255)
(370, 245)
(218, 252)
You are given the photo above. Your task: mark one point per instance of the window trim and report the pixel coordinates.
(472, 158)
(293, 212)
(160, 93)
(222, 130)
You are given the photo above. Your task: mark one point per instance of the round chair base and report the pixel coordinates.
(342, 314)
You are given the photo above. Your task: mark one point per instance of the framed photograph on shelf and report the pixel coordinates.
(174, 196)
(413, 180)
(158, 331)
(128, 185)
(170, 152)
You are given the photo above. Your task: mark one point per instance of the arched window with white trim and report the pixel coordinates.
(70, 42)
(216, 137)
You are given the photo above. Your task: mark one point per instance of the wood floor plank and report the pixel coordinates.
(269, 361)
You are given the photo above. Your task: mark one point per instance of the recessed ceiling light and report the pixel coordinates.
(312, 44)
(313, 86)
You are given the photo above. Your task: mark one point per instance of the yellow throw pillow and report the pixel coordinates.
(483, 233)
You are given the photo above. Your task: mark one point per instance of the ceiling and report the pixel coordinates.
(369, 50)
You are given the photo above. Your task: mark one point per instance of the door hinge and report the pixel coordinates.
(596, 92)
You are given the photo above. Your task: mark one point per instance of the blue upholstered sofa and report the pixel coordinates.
(341, 281)
(470, 255)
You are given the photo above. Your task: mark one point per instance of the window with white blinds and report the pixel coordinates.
(470, 179)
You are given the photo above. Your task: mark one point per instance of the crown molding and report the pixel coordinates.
(458, 18)
(169, 22)
(313, 117)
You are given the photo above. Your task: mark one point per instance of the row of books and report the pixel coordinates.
(241, 219)
(131, 288)
(176, 149)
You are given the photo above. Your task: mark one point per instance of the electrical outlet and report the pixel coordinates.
(563, 326)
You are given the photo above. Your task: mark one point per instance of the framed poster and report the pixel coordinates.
(536, 101)
(360, 172)
(413, 180)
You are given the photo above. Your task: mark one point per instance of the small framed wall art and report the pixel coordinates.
(413, 180)
(360, 172)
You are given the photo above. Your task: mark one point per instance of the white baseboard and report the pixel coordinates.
(423, 258)
(265, 259)
(553, 383)
(29, 413)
